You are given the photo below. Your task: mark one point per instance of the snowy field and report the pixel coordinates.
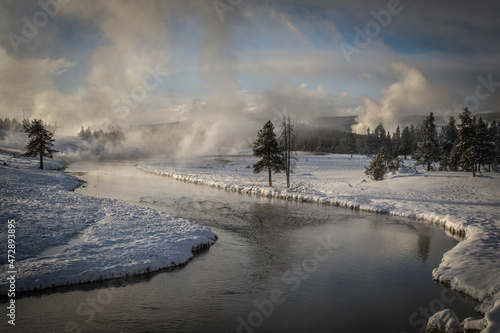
(64, 237)
(454, 200)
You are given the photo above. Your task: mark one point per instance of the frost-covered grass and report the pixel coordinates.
(454, 200)
(99, 238)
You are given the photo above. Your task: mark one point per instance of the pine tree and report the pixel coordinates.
(351, 144)
(428, 148)
(6, 124)
(380, 136)
(40, 141)
(416, 137)
(396, 143)
(287, 142)
(495, 134)
(467, 146)
(371, 142)
(406, 142)
(379, 164)
(486, 145)
(448, 138)
(15, 125)
(81, 134)
(266, 147)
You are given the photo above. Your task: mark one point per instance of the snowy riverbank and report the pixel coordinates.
(456, 201)
(64, 237)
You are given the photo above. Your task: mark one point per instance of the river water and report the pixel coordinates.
(278, 266)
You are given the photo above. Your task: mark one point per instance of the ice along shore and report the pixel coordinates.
(453, 200)
(115, 239)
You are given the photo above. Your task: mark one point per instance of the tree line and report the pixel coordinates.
(113, 135)
(401, 142)
(471, 145)
(18, 126)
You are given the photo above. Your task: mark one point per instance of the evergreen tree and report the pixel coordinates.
(287, 142)
(486, 145)
(351, 144)
(495, 134)
(388, 142)
(371, 142)
(85, 134)
(379, 164)
(448, 138)
(6, 124)
(98, 135)
(266, 147)
(406, 143)
(115, 134)
(396, 143)
(40, 141)
(15, 125)
(467, 145)
(428, 148)
(380, 136)
(416, 137)
(453, 160)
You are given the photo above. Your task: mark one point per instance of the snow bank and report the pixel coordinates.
(456, 201)
(444, 321)
(113, 238)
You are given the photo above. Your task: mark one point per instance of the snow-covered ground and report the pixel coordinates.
(454, 200)
(63, 237)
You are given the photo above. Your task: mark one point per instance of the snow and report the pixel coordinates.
(493, 318)
(462, 205)
(444, 321)
(64, 237)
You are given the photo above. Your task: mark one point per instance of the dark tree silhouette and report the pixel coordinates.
(40, 140)
(379, 165)
(351, 144)
(267, 148)
(428, 148)
(287, 142)
(467, 146)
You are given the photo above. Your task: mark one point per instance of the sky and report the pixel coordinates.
(220, 64)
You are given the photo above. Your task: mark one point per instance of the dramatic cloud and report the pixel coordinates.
(223, 70)
(413, 94)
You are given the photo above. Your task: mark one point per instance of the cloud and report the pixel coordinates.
(92, 57)
(26, 78)
(413, 94)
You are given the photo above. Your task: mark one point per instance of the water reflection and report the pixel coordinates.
(368, 277)
(424, 247)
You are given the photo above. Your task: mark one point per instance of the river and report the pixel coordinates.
(278, 266)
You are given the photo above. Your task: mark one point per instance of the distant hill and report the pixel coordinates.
(345, 123)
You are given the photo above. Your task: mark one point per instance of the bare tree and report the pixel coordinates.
(287, 142)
